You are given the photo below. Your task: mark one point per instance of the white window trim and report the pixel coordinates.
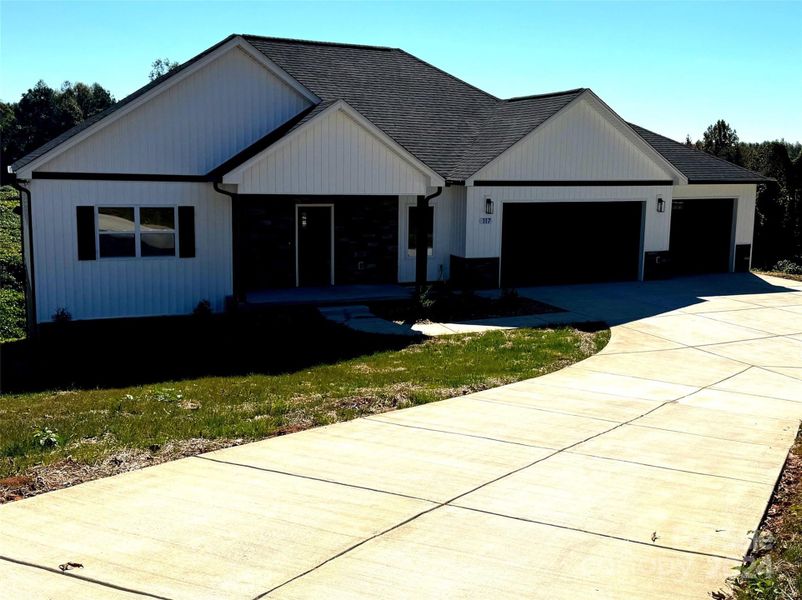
(137, 232)
(411, 253)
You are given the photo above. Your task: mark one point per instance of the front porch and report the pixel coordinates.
(329, 295)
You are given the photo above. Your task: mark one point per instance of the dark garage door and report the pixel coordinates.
(701, 235)
(570, 242)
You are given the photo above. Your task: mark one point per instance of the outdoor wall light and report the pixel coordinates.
(488, 206)
(661, 205)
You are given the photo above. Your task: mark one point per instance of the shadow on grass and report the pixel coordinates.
(117, 353)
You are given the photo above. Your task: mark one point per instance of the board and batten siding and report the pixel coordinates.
(449, 234)
(127, 287)
(332, 154)
(579, 143)
(193, 126)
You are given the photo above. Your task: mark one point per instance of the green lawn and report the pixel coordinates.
(66, 436)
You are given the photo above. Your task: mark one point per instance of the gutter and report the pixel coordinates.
(27, 252)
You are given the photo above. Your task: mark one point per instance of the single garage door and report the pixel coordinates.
(701, 235)
(570, 242)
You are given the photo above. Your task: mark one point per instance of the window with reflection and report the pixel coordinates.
(157, 231)
(116, 231)
(130, 231)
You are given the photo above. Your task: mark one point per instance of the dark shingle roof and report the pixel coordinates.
(427, 111)
(507, 123)
(451, 126)
(696, 165)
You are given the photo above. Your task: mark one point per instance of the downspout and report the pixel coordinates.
(27, 256)
(236, 238)
(421, 247)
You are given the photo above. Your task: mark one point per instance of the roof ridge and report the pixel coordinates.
(449, 75)
(532, 96)
(250, 36)
(695, 149)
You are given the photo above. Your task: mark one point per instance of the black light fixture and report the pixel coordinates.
(488, 206)
(661, 205)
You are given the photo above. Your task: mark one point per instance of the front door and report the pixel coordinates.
(314, 225)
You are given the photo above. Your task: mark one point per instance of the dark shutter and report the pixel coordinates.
(186, 231)
(86, 232)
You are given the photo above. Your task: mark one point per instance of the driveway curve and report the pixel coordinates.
(640, 472)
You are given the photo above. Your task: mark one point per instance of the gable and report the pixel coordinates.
(336, 152)
(585, 142)
(191, 126)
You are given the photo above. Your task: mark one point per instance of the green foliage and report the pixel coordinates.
(47, 438)
(721, 140)
(43, 113)
(778, 222)
(12, 272)
(788, 266)
(161, 66)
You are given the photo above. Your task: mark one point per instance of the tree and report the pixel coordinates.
(43, 113)
(721, 140)
(162, 66)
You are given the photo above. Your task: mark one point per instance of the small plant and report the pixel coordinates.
(166, 395)
(788, 266)
(203, 309)
(46, 437)
(62, 315)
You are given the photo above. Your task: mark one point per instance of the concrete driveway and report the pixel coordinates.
(638, 473)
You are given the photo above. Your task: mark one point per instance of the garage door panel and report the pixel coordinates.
(701, 235)
(570, 242)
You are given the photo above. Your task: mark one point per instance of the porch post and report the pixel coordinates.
(236, 250)
(421, 255)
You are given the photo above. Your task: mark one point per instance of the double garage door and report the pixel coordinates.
(570, 242)
(576, 242)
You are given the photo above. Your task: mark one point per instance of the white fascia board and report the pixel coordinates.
(635, 138)
(235, 175)
(235, 42)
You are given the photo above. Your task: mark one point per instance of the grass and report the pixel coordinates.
(774, 569)
(12, 298)
(55, 438)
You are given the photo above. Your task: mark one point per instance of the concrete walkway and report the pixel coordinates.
(637, 473)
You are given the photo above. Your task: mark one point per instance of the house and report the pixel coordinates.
(266, 163)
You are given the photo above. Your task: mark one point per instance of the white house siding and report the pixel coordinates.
(483, 239)
(126, 287)
(580, 143)
(332, 155)
(193, 126)
(449, 234)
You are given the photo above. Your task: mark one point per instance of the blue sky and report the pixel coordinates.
(674, 67)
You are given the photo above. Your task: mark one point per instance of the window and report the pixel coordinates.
(136, 231)
(157, 231)
(116, 231)
(412, 224)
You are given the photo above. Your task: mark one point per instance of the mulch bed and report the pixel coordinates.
(450, 307)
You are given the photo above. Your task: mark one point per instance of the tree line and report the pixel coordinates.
(778, 222)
